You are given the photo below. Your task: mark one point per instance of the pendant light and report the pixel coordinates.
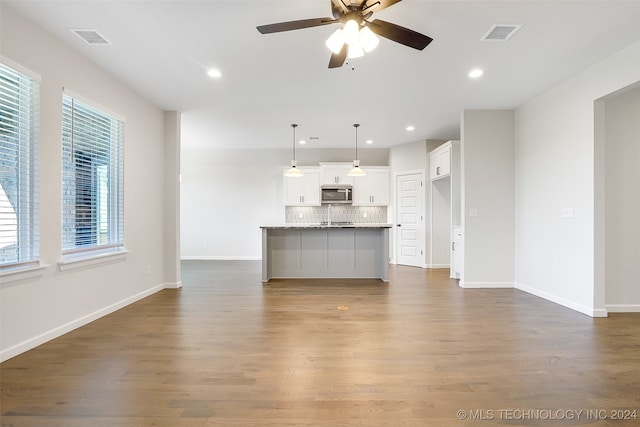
(356, 171)
(294, 172)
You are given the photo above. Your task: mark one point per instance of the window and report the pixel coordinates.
(92, 181)
(19, 227)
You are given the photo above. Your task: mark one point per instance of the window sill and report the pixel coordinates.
(88, 260)
(20, 274)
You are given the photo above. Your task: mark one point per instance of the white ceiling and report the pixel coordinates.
(163, 49)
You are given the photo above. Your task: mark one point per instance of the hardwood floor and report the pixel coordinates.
(226, 350)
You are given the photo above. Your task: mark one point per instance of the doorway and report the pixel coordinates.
(409, 217)
(619, 201)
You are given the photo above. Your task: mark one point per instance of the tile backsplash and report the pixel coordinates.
(355, 214)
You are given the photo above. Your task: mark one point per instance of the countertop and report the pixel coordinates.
(316, 225)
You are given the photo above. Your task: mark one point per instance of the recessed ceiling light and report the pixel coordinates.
(410, 128)
(369, 141)
(213, 73)
(302, 142)
(475, 73)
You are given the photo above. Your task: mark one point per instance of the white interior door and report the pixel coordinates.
(410, 220)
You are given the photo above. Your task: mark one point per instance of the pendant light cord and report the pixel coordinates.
(294, 126)
(356, 125)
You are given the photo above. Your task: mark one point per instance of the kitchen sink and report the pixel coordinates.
(337, 223)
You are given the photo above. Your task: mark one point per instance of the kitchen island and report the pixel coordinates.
(325, 251)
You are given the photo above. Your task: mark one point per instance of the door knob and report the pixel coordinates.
(399, 225)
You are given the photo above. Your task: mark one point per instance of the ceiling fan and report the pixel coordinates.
(357, 34)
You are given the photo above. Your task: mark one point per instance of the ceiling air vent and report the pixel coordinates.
(91, 37)
(500, 32)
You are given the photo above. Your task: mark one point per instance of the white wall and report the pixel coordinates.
(556, 168)
(172, 128)
(36, 309)
(226, 195)
(622, 202)
(408, 157)
(487, 149)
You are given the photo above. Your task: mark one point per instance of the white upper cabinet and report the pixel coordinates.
(373, 188)
(304, 190)
(440, 162)
(335, 173)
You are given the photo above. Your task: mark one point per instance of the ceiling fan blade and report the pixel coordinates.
(294, 25)
(378, 5)
(337, 59)
(399, 34)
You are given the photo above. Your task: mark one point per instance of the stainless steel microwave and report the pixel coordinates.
(336, 194)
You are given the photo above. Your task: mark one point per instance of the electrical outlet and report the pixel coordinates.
(567, 213)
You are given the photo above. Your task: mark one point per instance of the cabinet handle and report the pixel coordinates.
(453, 246)
(399, 225)
(438, 170)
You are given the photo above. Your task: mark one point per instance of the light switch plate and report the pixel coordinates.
(473, 212)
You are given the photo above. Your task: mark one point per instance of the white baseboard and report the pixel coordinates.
(220, 258)
(589, 311)
(485, 285)
(436, 266)
(75, 324)
(622, 308)
(172, 285)
(599, 312)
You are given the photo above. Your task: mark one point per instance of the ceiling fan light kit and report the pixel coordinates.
(335, 41)
(357, 34)
(350, 31)
(355, 50)
(365, 41)
(368, 40)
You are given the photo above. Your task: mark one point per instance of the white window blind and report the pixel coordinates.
(19, 166)
(92, 181)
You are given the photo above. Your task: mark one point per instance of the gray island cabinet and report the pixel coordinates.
(325, 251)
